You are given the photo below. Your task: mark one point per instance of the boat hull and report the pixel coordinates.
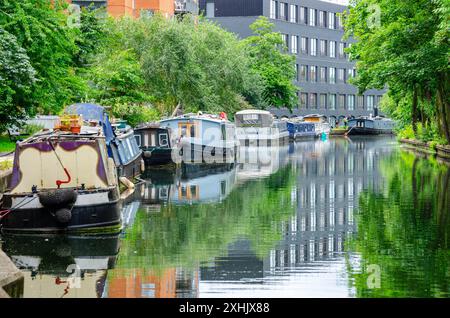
(157, 156)
(198, 154)
(95, 212)
(368, 131)
(131, 169)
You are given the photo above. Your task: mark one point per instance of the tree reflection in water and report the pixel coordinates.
(404, 229)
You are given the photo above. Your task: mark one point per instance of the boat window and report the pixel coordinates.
(192, 131)
(153, 139)
(183, 130)
(130, 148)
(163, 140)
(138, 139)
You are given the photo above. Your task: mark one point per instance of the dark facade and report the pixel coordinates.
(313, 33)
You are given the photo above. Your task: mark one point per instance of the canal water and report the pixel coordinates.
(360, 217)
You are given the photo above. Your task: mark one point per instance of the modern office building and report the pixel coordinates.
(313, 32)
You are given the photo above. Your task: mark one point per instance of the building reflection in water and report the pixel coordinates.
(310, 258)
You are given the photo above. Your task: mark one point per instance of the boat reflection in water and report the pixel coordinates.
(62, 266)
(260, 162)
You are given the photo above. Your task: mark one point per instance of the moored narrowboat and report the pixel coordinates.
(321, 125)
(155, 143)
(256, 127)
(120, 141)
(62, 182)
(300, 130)
(370, 126)
(202, 139)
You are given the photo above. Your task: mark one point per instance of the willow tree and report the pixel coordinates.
(272, 62)
(404, 45)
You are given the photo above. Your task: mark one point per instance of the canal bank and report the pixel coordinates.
(440, 151)
(11, 278)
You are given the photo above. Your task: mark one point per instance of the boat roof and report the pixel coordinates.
(207, 117)
(314, 116)
(86, 132)
(253, 111)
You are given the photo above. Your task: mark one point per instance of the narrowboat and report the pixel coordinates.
(321, 125)
(259, 128)
(298, 129)
(155, 144)
(120, 141)
(202, 139)
(62, 182)
(370, 126)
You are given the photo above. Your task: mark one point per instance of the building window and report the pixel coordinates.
(210, 10)
(323, 47)
(332, 49)
(285, 39)
(312, 100)
(370, 102)
(294, 44)
(273, 9)
(303, 100)
(293, 13)
(351, 73)
(303, 15)
(341, 50)
(332, 101)
(341, 75)
(322, 18)
(331, 20)
(283, 11)
(312, 17)
(313, 49)
(339, 22)
(313, 74)
(379, 100)
(296, 72)
(351, 102)
(323, 101)
(341, 101)
(323, 74)
(304, 45)
(332, 76)
(360, 102)
(303, 73)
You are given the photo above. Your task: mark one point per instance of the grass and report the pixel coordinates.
(5, 165)
(6, 145)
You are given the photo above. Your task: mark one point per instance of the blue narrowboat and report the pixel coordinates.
(301, 130)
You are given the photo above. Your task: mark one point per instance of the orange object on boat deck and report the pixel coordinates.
(70, 123)
(223, 115)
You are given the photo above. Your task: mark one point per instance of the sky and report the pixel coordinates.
(345, 2)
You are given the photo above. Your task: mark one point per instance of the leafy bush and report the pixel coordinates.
(135, 114)
(31, 129)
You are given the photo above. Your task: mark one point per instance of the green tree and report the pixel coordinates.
(271, 61)
(407, 50)
(177, 62)
(17, 78)
(40, 29)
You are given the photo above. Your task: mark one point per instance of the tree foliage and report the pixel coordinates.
(407, 50)
(271, 61)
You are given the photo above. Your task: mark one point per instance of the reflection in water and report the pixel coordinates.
(62, 266)
(306, 223)
(404, 229)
